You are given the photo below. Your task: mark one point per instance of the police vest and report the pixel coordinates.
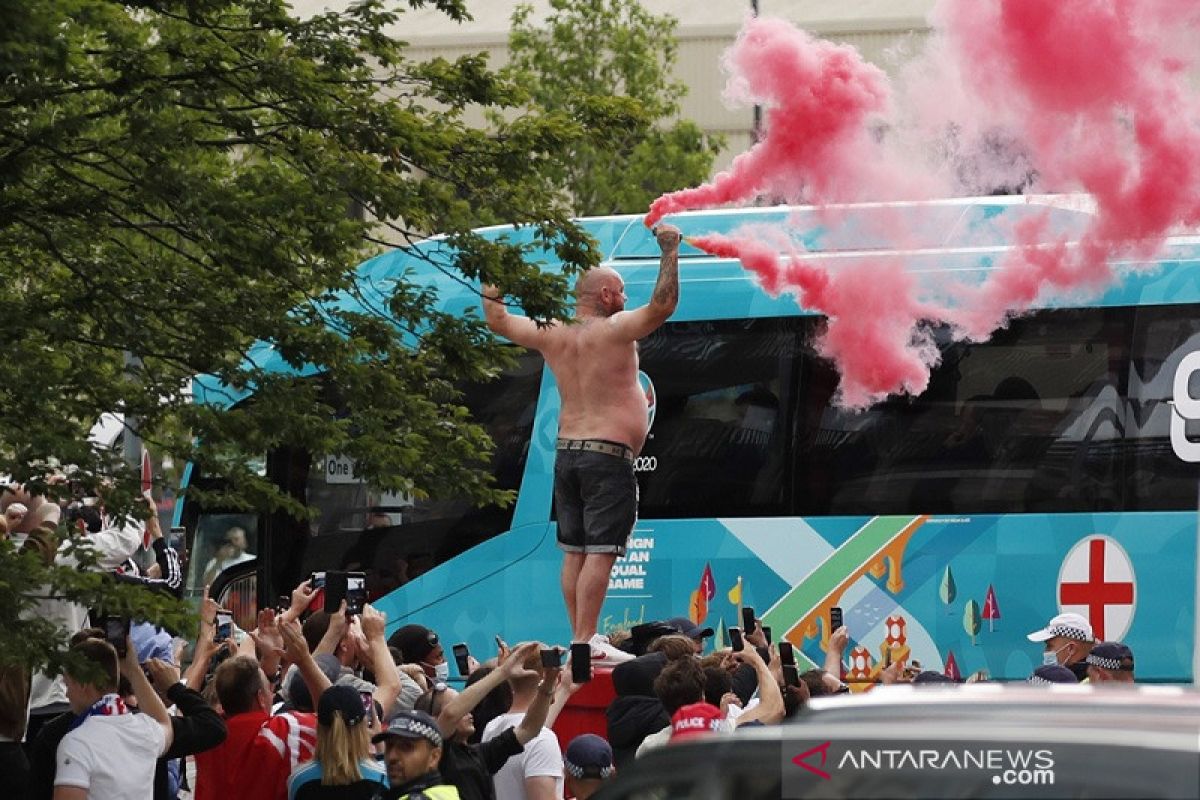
(443, 792)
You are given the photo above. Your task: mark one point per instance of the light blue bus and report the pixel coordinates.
(1050, 469)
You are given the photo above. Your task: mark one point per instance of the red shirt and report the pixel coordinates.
(256, 757)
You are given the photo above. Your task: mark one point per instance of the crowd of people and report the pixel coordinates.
(313, 704)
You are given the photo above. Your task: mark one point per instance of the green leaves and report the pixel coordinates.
(606, 64)
(176, 177)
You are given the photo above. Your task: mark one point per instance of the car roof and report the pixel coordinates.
(1163, 716)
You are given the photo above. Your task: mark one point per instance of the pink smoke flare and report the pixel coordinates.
(1086, 95)
(818, 98)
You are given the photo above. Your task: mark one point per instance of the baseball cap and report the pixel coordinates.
(414, 642)
(697, 719)
(344, 700)
(1044, 676)
(1111, 655)
(589, 756)
(412, 725)
(1068, 626)
(689, 628)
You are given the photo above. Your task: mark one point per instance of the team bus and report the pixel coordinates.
(1051, 468)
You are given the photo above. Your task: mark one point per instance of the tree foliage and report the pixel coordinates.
(594, 56)
(174, 183)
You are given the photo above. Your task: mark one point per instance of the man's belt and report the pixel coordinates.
(597, 446)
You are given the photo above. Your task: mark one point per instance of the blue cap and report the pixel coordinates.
(1046, 675)
(588, 756)
(151, 642)
(412, 725)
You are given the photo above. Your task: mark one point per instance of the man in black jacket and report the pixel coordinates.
(470, 767)
(200, 728)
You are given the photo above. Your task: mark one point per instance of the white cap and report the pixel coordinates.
(1068, 626)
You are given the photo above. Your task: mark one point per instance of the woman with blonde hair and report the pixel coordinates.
(342, 766)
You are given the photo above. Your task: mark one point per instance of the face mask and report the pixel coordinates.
(1050, 658)
(442, 671)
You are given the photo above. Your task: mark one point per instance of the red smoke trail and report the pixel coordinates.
(1090, 93)
(818, 97)
(873, 332)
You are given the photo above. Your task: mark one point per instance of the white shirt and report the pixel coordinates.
(217, 567)
(542, 758)
(112, 545)
(112, 757)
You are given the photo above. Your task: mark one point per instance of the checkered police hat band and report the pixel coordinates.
(420, 728)
(1068, 632)
(579, 772)
(1107, 663)
(1038, 680)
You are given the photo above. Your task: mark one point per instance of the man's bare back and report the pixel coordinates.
(595, 360)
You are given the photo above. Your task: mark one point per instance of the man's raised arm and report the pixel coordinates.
(644, 320)
(518, 330)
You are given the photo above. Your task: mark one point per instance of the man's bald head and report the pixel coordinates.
(600, 292)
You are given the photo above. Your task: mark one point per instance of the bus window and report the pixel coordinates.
(221, 541)
(1161, 479)
(718, 441)
(1029, 421)
(395, 538)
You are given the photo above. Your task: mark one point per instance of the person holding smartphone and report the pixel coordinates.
(470, 767)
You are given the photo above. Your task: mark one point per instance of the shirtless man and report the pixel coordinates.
(602, 424)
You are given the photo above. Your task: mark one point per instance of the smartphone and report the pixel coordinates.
(749, 624)
(835, 618)
(581, 662)
(368, 701)
(283, 604)
(767, 633)
(500, 643)
(348, 586)
(224, 627)
(787, 656)
(116, 633)
(316, 581)
(461, 655)
(791, 675)
(735, 638)
(356, 592)
(552, 657)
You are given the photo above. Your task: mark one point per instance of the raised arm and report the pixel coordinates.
(387, 677)
(770, 708)
(644, 320)
(539, 709)
(149, 702)
(518, 330)
(471, 696)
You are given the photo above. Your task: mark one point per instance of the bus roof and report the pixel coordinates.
(962, 236)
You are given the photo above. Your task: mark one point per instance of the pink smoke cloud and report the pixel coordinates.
(1086, 95)
(818, 98)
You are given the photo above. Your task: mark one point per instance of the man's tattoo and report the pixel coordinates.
(666, 290)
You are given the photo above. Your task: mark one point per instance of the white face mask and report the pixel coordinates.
(1050, 657)
(441, 671)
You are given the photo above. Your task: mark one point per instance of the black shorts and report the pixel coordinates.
(595, 500)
